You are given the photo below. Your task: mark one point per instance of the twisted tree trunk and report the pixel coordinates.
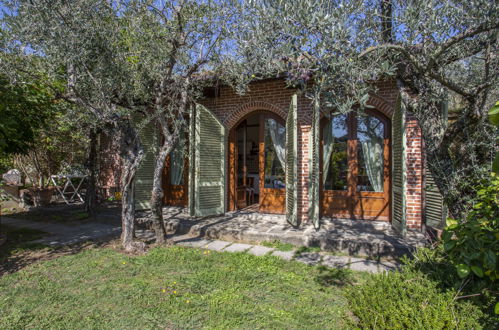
(157, 193)
(171, 130)
(132, 154)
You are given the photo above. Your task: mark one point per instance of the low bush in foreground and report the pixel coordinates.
(425, 294)
(401, 300)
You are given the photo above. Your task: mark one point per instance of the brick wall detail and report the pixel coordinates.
(109, 165)
(414, 172)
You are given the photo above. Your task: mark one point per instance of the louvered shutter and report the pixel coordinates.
(314, 169)
(145, 172)
(291, 162)
(209, 164)
(192, 158)
(435, 211)
(398, 168)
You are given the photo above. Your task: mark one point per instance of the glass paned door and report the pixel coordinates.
(355, 166)
(370, 135)
(272, 164)
(274, 154)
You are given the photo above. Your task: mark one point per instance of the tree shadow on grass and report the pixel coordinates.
(337, 277)
(18, 251)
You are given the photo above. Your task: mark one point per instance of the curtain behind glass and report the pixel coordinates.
(327, 150)
(278, 137)
(177, 164)
(372, 149)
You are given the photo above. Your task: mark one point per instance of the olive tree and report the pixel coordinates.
(124, 60)
(445, 55)
(435, 50)
(173, 46)
(81, 44)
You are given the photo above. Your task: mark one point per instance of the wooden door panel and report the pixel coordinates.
(336, 201)
(175, 196)
(272, 201)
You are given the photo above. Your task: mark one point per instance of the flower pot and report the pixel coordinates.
(42, 196)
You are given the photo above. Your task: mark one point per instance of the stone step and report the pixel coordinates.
(373, 239)
(374, 247)
(309, 258)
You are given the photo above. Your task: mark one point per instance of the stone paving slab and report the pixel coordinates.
(238, 247)
(363, 265)
(193, 242)
(286, 255)
(216, 245)
(259, 250)
(387, 266)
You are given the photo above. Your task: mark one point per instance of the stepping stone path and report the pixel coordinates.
(309, 258)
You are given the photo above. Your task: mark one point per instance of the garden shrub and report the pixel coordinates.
(473, 244)
(436, 265)
(409, 300)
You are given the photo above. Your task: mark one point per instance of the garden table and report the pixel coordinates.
(67, 190)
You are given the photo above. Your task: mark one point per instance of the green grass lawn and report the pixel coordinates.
(172, 288)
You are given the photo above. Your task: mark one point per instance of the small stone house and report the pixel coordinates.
(267, 152)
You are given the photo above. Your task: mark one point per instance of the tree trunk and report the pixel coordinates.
(157, 193)
(91, 196)
(132, 154)
(171, 131)
(386, 21)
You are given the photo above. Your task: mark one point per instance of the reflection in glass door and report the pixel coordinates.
(355, 166)
(272, 164)
(275, 154)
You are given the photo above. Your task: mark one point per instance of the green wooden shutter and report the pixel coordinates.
(144, 177)
(192, 161)
(209, 164)
(435, 210)
(314, 169)
(291, 162)
(398, 168)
